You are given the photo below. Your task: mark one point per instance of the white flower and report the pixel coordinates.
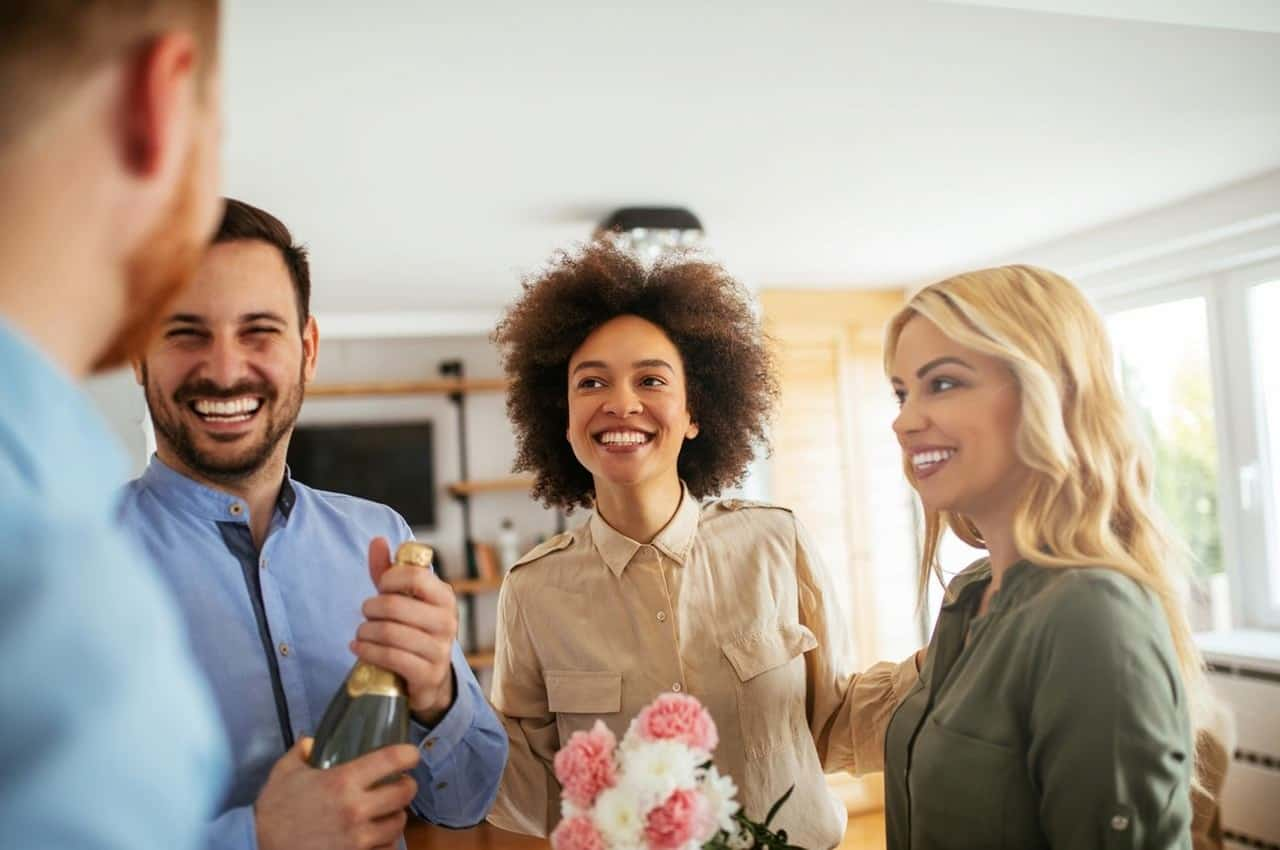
(618, 816)
(720, 792)
(632, 740)
(569, 810)
(652, 771)
(740, 839)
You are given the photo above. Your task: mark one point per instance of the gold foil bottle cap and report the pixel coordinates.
(414, 553)
(366, 678)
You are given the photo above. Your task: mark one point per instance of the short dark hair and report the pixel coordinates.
(47, 46)
(728, 364)
(244, 221)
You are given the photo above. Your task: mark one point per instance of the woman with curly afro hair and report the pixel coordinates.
(641, 393)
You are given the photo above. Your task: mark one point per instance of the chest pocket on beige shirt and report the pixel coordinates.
(771, 683)
(578, 697)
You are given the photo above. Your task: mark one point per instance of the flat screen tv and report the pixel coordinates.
(391, 464)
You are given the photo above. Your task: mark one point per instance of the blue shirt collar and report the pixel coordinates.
(190, 496)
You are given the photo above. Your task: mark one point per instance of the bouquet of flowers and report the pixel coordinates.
(657, 791)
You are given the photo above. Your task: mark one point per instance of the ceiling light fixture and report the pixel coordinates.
(650, 232)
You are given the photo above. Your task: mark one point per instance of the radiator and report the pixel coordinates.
(1244, 672)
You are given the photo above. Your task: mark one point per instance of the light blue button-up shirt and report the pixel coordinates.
(271, 629)
(108, 735)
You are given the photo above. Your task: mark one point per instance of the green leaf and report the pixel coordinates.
(778, 805)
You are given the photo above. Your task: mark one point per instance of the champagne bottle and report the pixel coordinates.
(371, 708)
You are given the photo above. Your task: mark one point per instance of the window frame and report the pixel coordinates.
(1238, 421)
(1248, 417)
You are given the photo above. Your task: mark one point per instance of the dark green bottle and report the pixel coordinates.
(371, 708)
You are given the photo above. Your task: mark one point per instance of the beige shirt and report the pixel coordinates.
(730, 604)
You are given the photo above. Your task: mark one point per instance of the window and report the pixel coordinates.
(1163, 358)
(1200, 363)
(1261, 484)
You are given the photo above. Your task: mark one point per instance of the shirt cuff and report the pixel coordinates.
(437, 743)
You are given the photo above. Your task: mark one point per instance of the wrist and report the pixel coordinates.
(431, 714)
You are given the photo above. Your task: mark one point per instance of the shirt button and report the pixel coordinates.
(429, 743)
(441, 786)
(1119, 823)
(662, 616)
(677, 687)
(236, 509)
(284, 649)
(264, 562)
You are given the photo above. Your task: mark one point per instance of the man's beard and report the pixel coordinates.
(158, 270)
(223, 467)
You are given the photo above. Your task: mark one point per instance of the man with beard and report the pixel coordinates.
(272, 573)
(108, 167)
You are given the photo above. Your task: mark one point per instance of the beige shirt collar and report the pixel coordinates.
(675, 540)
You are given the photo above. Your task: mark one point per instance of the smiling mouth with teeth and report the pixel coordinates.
(623, 438)
(226, 410)
(926, 463)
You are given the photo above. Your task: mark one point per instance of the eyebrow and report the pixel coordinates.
(589, 364)
(245, 318)
(934, 364)
(263, 316)
(652, 363)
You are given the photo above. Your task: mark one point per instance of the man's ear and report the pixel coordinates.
(139, 371)
(158, 105)
(310, 349)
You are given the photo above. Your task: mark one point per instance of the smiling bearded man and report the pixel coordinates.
(244, 422)
(271, 573)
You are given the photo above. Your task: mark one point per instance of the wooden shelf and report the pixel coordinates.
(476, 585)
(443, 386)
(514, 483)
(480, 660)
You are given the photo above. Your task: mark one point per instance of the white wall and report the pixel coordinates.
(120, 400)
(1234, 226)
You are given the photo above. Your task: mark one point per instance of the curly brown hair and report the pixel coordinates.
(706, 314)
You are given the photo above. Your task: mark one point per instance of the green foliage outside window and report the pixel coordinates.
(1185, 451)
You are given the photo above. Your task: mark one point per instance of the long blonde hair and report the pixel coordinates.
(1089, 498)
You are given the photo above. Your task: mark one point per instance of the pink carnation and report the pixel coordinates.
(585, 765)
(678, 717)
(576, 833)
(685, 816)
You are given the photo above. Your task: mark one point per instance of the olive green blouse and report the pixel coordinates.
(1062, 722)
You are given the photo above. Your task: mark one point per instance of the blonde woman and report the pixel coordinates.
(1054, 707)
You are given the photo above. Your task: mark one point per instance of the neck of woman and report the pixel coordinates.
(1001, 549)
(640, 510)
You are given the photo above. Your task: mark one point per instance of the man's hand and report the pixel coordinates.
(335, 809)
(409, 629)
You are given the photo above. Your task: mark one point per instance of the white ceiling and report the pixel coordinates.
(430, 153)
